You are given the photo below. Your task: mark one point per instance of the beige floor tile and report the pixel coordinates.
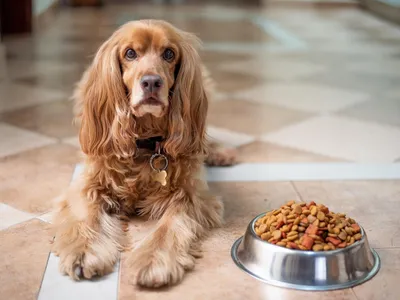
(341, 137)
(304, 97)
(234, 81)
(16, 96)
(51, 119)
(213, 58)
(385, 285)
(61, 80)
(220, 31)
(30, 180)
(16, 140)
(268, 68)
(73, 141)
(10, 216)
(227, 137)
(251, 118)
(266, 152)
(24, 250)
(215, 275)
(374, 204)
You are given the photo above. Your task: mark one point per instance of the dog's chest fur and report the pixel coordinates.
(135, 190)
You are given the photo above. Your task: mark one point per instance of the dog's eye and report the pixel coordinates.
(130, 54)
(168, 54)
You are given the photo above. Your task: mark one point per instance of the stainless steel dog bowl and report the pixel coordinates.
(305, 270)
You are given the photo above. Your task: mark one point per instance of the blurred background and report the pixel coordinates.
(297, 81)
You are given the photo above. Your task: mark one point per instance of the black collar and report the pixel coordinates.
(150, 143)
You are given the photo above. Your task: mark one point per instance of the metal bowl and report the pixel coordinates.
(305, 270)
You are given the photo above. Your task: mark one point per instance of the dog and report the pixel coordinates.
(141, 107)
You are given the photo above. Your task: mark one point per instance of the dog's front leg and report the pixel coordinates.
(163, 257)
(87, 238)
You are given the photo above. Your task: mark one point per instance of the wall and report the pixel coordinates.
(39, 6)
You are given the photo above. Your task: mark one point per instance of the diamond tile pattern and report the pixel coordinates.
(49, 168)
(307, 98)
(293, 86)
(254, 118)
(283, 69)
(385, 111)
(10, 216)
(52, 119)
(335, 136)
(15, 140)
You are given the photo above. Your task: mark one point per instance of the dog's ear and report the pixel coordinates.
(189, 103)
(102, 106)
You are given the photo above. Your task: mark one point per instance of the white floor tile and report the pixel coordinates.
(10, 216)
(304, 172)
(229, 138)
(343, 138)
(47, 217)
(73, 141)
(60, 287)
(15, 140)
(304, 97)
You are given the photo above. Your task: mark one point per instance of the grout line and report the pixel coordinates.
(297, 191)
(119, 274)
(44, 272)
(387, 248)
(43, 220)
(354, 293)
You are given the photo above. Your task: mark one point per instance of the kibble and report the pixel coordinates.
(307, 227)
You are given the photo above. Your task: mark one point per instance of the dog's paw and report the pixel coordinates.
(160, 268)
(79, 265)
(221, 157)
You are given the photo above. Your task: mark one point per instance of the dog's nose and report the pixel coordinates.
(151, 83)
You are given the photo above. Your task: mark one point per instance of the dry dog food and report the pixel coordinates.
(309, 226)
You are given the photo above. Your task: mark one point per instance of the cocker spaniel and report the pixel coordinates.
(142, 107)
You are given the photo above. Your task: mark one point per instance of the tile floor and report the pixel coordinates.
(295, 85)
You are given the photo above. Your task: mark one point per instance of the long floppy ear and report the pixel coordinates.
(102, 107)
(189, 104)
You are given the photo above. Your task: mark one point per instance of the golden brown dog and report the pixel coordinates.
(142, 107)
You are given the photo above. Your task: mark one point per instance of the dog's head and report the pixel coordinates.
(146, 79)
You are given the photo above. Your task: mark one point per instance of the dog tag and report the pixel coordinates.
(159, 174)
(161, 177)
